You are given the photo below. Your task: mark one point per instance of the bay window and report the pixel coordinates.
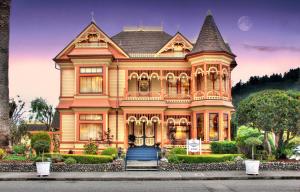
(213, 126)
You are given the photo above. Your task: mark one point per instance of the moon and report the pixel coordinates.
(244, 23)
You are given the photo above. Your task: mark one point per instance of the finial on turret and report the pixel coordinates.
(92, 17)
(209, 12)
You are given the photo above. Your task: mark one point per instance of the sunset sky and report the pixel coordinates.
(267, 41)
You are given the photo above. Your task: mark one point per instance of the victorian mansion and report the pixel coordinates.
(149, 88)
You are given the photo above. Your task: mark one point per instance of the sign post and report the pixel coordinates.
(194, 146)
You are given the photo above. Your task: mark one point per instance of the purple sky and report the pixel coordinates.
(40, 29)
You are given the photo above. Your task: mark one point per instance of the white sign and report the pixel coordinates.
(194, 145)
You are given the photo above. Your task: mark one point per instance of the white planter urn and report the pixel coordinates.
(43, 168)
(252, 167)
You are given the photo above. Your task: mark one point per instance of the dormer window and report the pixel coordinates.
(91, 80)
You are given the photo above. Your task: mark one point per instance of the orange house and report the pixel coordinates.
(146, 83)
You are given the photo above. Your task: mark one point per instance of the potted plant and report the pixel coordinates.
(42, 166)
(252, 166)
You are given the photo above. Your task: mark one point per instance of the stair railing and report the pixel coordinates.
(157, 158)
(125, 161)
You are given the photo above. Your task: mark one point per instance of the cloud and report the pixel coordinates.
(271, 48)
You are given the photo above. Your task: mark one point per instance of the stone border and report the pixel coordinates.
(118, 166)
(228, 166)
(115, 166)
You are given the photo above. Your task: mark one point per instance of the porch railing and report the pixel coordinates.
(174, 98)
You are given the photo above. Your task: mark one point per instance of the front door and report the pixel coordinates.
(145, 135)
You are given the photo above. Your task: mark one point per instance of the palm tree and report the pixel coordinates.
(4, 92)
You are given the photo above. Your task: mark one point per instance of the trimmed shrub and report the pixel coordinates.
(15, 158)
(40, 136)
(112, 151)
(212, 158)
(90, 159)
(90, 148)
(41, 146)
(85, 159)
(178, 150)
(70, 161)
(224, 147)
(19, 149)
(56, 157)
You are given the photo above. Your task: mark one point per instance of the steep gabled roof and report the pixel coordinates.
(91, 25)
(179, 36)
(141, 41)
(210, 38)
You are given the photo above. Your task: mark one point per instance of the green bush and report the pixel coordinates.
(224, 147)
(56, 157)
(41, 146)
(85, 159)
(178, 150)
(70, 161)
(244, 133)
(110, 151)
(212, 158)
(90, 148)
(15, 158)
(19, 149)
(40, 136)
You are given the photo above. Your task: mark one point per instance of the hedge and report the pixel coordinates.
(211, 158)
(112, 151)
(86, 159)
(178, 150)
(224, 147)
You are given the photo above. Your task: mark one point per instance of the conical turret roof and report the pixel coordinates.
(210, 38)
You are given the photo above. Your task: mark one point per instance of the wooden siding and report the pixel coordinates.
(112, 126)
(68, 127)
(68, 80)
(113, 82)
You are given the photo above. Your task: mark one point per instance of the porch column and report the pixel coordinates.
(126, 82)
(193, 82)
(161, 85)
(221, 126)
(220, 80)
(194, 126)
(205, 82)
(229, 88)
(206, 126)
(125, 132)
(229, 126)
(162, 131)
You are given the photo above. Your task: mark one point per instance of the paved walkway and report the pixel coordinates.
(150, 175)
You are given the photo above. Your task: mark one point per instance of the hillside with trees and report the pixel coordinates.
(286, 81)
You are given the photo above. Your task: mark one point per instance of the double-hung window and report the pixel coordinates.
(91, 80)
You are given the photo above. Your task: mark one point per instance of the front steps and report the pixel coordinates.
(142, 159)
(133, 165)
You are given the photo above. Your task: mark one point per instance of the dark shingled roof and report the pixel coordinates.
(141, 41)
(210, 38)
(36, 127)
